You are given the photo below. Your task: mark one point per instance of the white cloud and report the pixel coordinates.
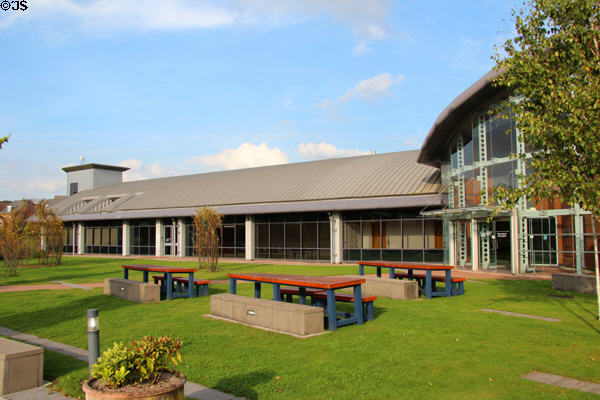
(373, 88)
(139, 171)
(368, 19)
(129, 14)
(360, 49)
(317, 151)
(247, 155)
(46, 185)
(289, 105)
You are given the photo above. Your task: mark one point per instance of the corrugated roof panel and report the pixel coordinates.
(389, 174)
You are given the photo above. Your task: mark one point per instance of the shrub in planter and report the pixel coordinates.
(140, 370)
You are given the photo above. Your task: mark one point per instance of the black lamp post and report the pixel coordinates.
(93, 332)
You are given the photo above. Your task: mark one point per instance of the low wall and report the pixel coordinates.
(21, 366)
(574, 283)
(399, 289)
(141, 292)
(296, 319)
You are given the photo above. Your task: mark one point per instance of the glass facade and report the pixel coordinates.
(105, 237)
(232, 237)
(302, 236)
(143, 237)
(392, 236)
(70, 239)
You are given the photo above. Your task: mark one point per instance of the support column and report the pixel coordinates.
(250, 238)
(514, 242)
(450, 245)
(80, 237)
(335, 224)
(579, 240)
(126, 239)
(160, 238)
(181, 237)
(474, 245)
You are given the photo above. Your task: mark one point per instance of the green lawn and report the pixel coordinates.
(443, 348)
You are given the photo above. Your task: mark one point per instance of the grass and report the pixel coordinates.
(443, 348)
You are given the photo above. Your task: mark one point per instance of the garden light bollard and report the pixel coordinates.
(93, 332)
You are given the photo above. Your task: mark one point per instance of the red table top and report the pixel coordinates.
(158, 268)
(320, 282)
(434, 267)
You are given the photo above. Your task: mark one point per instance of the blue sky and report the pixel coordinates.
(170, 87)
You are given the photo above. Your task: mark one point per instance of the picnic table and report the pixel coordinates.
(429, 286)
(327, 283)
(168, 277)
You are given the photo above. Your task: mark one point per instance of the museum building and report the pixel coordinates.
(430, 206)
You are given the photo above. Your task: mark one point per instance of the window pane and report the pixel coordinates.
(277, 235)
(309, 236)
(351, 235)
(262, 235)
(324, 240)
(393, 238)
(292, 235)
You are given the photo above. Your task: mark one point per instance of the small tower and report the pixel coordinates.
(89, 176)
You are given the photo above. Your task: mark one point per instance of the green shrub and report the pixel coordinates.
(142, 362)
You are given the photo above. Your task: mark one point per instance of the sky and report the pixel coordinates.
(173, 87)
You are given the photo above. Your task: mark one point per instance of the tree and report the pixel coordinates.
(207, 227)
(14, 242)
(552, 68)
(3, 140)
(48, 232)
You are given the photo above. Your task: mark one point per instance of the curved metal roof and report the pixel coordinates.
(440, 133)
(380, 176)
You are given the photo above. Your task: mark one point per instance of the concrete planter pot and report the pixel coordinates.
(169, 392)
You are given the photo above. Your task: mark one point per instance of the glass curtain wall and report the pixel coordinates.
(70, 239)
(105, 237)
(392, 236)
(143, 237)
(232, 237)
(293, 236)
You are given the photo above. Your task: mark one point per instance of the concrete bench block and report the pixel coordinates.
(392, 288)
(142, 292)
(21, 366)
(574, 283)
(296, 319)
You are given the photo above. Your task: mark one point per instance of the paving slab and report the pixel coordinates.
(38, 393)
(563, 381)
(513, 314)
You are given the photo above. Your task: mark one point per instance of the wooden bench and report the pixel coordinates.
(200, 286)
(317, 297)
(458, 287)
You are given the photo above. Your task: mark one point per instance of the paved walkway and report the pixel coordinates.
(191, 389)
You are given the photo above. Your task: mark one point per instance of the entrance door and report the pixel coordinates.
(542, 241)
(494, 245)
(171, 243)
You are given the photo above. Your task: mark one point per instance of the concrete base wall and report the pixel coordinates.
(132, 290)
(21, 366)
(297, 319)
(393, 288)
(574, 283)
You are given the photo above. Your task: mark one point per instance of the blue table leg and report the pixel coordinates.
(257, 290)
(191, 285)
(302, 295)
(379, 272)
(392, 273)
(448, 283)
(276, 292)
(361, 269)
(169, 286)
(145, 276)
(232, 286)
(125, 273)
(331, 311)
(358, 305)
(428, 289)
